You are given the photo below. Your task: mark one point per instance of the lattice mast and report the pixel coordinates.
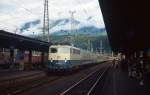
(46, 22)
(72, 26)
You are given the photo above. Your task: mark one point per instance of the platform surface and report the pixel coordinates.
(119, 83)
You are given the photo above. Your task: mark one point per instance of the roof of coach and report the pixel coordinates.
(68, 46)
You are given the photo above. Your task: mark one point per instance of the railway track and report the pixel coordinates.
(87, 85)
(20, 84)
(26, 86)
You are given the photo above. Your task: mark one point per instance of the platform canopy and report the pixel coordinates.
(127, 23)
(10, 40)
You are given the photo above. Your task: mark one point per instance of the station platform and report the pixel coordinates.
(119, 83)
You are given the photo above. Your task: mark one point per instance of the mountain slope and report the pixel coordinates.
(90, 30)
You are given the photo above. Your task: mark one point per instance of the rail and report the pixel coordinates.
(95, 76)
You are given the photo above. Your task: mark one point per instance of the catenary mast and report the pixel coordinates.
(46, 22)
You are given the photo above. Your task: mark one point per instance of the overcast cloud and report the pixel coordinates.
(14, 13)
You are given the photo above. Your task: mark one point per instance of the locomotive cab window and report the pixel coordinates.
(53, 50)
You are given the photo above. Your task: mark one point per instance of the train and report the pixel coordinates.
(59, 57)
(4, 56)
(67, 57)
(6, 61)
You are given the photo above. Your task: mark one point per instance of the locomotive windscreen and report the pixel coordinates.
(64, 50)
(53, 50)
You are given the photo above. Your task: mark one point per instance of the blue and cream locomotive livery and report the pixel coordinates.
(63, 56)
(69, 57)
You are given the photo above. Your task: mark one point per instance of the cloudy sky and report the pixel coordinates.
(14, 13)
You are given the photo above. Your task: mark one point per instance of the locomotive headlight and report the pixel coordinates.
(65, 60)
(51, 60)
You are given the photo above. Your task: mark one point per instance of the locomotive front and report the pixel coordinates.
(59, 57)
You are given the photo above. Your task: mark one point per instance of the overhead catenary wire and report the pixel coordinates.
(25, 15)
(26, 9)
(84, 9)
(20, 5)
